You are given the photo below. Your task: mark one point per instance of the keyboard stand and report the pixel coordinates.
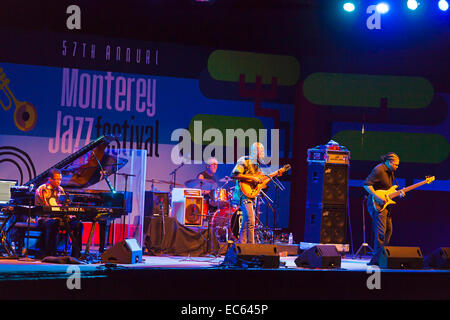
(87, 255)
(4, 236)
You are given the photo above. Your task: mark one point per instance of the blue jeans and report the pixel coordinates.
(247, 230)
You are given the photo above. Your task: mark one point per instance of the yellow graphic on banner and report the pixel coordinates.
(25, 115)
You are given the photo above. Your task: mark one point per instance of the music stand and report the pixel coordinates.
(364, 246)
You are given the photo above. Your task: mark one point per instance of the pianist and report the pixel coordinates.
(48, 194)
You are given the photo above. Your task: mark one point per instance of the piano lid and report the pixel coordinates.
(81, 169)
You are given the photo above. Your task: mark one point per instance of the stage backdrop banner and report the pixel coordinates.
(178, 103)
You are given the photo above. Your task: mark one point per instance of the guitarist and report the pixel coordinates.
(381, 178)
(247, 169)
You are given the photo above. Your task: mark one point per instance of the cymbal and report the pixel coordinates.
(203, 184)
(226, 179)
(163, 181)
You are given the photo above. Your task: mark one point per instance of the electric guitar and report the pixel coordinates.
(252, 189)
(391, 193)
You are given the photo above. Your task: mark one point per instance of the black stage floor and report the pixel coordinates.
(206, 279)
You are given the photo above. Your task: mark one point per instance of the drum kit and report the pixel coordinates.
(222, 216)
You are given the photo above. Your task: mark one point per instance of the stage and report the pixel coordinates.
(208, 279)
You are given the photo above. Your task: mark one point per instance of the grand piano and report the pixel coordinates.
(81, 170)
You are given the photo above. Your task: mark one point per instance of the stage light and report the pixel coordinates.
(412, 4)
(349, 7)
(382, 7)
(443, 5)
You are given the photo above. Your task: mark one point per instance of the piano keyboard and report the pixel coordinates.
(87, 212)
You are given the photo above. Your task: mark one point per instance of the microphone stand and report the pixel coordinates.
(278, 186)
(171, 187)
(113, 191)
(163, 233)
(102, 171)
(125, 198)
(174, 175)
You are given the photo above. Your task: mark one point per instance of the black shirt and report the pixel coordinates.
(381, 178)
(206, 175)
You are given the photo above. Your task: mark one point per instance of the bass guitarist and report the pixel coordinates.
(381, 178)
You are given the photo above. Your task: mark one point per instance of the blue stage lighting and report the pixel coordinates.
(349, 7)
(412, 4)
(443, 5)
(382, 7)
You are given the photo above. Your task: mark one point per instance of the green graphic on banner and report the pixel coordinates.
(222, 124)
(411, 147)
(228, 65)
(359, 90)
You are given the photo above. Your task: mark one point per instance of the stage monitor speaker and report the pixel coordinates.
(319, 256)
(126, 251)
(400, 258)
(253, 255)
(439, 258)
(156, 203)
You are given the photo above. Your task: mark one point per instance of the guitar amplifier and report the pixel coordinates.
(187, 206)
(326, 155)
(156, 203)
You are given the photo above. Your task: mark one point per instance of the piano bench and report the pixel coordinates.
(33, 236)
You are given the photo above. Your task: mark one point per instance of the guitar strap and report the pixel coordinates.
(395, 180)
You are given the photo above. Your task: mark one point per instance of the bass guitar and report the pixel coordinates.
(392, 193)
(252, 189)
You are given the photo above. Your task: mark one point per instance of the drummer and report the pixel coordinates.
(210, 170)
(209, 174)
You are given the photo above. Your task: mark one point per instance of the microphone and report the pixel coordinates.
(177, 168)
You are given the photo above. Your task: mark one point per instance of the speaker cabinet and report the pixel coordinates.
(156, 204)
(325, 224)
(326, 203)
(320, 256)
(440, 258)
(253, 255)
(127, 251)
(400, 258)
(187, 206)
(327, 183)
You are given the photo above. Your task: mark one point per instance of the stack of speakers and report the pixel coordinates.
(327, 188)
